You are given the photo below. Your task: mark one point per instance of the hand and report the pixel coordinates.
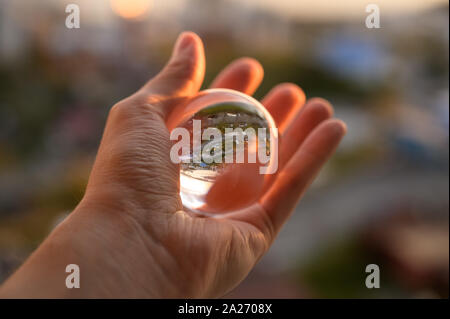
(130, 236)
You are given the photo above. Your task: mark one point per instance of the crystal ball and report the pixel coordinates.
(226, 144)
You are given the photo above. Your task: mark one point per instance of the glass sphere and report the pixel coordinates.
(229, 151)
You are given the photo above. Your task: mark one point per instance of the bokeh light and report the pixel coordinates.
(130, 9)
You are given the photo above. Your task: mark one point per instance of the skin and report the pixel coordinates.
(129, 234)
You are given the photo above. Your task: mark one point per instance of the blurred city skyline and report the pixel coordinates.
(390, 85)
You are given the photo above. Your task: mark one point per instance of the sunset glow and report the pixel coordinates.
(130, 9)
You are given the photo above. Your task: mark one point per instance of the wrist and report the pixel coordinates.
(117, 256)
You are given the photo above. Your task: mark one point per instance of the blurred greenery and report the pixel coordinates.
(335, 272)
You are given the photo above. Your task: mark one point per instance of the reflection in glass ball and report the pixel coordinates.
(230, 152)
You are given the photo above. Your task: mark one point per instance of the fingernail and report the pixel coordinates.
(184, 41)
(341, 127)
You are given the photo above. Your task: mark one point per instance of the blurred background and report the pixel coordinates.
(384, 197)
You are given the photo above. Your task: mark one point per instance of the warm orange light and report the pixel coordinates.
(130, 9)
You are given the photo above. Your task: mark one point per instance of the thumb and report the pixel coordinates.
(183, 74)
